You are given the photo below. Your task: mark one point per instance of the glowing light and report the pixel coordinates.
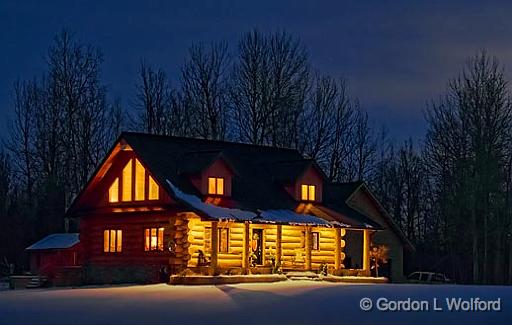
(308, 192)
(140, 181)
(113, 191)
(112, 241)
(127, 182)
(215, 185)
(153, 189)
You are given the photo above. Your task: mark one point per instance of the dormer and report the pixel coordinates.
(210, 172)
(309, 186)
(302, 179)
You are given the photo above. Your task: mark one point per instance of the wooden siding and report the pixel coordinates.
(132, 226)
(292, 245)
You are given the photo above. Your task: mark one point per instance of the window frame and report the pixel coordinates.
(208, 240)
(219, 183)
(148, 185)
(308, 192)
(314, 242)
(118, 241)
(147, 236)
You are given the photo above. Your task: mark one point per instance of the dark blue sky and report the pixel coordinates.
(395, 54)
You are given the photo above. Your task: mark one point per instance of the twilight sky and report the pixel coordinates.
(396, 55)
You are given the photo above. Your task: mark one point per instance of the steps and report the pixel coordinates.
(36, 282)
(298, 276)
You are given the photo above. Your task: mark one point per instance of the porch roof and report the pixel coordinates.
(302, 214)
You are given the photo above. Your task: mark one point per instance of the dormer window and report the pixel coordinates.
(216, 186)
(307, 192)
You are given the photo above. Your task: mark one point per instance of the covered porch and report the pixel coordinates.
(235, 247)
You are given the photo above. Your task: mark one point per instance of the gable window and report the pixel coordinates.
(135, 184)
(140, 181)
(113, 191)
(307, 192)
(112, 241)
(154, 239)
(215, 185)
(223, 239)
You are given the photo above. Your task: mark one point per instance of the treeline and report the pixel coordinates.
(449, 193)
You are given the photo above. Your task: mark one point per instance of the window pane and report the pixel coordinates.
(153, 239)
(304, 192)
(140, 181)
(224, 240)
(207, 239)
(153, 189)
(112, 241)
(316, 241)
(311, 192)
(160, 239)
(212, 186)
(106, 241)
(146, 240)
(220, 186)
(127, 182)
(119, 240)
(113, 191)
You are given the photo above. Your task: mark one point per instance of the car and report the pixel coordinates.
(428, 277)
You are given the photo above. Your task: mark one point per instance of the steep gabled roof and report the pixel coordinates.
(257, 184)
(197, 161)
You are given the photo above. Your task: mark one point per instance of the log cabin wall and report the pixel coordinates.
(132, 227)
(200, 242)
(326, 251)
(292, 245)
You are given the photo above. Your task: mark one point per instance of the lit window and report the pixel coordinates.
(153, 189)
(216, 185)
(140, 181)
(127, 182)
(223, 239)
(133, 184)
(154, 239)
(113, 191)
(112, 241)
(307, 192)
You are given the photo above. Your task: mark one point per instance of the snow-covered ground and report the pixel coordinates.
(303, 302)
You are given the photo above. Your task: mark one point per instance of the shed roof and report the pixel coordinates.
(56, 241)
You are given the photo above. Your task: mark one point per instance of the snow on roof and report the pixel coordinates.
(56, 241)
(290, 217)
(265, 216)
(211, 210)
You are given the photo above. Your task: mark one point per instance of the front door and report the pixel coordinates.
(257, 246)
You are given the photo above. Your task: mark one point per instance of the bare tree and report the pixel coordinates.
(205, 89)
(468, 148)
(270, 80)
(152, 99)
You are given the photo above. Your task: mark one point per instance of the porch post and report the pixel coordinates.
(215, 245)
(246, 252)
(279, 232)
(337, 251)
(308, 248)
(366, 252)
